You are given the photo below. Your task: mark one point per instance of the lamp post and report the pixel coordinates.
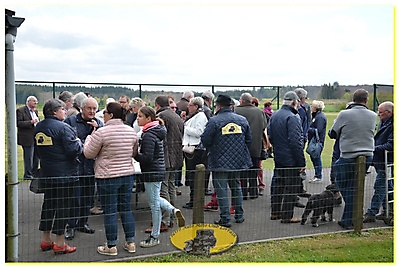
(11, 25)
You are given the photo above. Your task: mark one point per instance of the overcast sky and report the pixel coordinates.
(224, 43)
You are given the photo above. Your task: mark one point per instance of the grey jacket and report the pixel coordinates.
(354, 128)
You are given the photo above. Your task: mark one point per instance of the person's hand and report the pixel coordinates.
(183, 115)
(302, 170)
(93, 123)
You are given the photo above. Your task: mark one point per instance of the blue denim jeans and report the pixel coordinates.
(157, 203)
(221, 181)
(318, 167)
(345, 181)
(379, 193)
(115, 195)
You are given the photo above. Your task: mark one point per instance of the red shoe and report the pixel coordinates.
(232, 210)
(46, 246)
(63, 250)
(210, 207)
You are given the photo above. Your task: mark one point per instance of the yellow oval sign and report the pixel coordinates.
(203, 238)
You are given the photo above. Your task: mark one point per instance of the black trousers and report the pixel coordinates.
(55, 207)
(192, 160)
(81, 201)
(249, 179)
(286, 187)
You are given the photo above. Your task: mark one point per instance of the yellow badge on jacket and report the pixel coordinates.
(43, 140)
(203, 238)
(231, 128)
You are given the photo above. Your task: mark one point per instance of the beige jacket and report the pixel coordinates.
(113, 146)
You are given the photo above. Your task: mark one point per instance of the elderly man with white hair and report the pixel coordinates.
(27, 118)
(84, 123)
(182, 104)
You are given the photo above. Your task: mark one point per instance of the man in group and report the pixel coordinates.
(286, 137)
(257, 122)
(124, 101)
(208, 96)
(182, 104)
(227, 136)
(67, 98)
(27, 118)
(173, 154)
(355, 130)
(306, 119)
(304, 112)
(383, 142)
(84, 123)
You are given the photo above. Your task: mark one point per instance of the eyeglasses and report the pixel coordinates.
(106, 112)
(173, 107)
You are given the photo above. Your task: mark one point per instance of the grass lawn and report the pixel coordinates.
(373, 246)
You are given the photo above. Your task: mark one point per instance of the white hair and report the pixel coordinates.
(301, 93)
(109, 100)
(288, 102)
(87, 99)
(188, 94)
(28, 98)
(79, 98)
(318, 104)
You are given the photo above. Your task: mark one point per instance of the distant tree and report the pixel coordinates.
(331, 92)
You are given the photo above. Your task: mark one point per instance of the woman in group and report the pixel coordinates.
(58, 148)
(194, 126)
(151, 158)
(136, 104)
(114, 146)
(319, 124)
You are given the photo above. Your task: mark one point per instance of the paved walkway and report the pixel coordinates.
(257, 225)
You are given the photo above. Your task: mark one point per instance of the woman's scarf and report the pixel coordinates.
(150, 125)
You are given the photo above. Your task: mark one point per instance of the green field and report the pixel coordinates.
(327, 151)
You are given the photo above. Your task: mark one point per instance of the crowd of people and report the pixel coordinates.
(79, 150)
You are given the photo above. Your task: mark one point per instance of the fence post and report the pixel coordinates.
(199, 194)
(358, 198)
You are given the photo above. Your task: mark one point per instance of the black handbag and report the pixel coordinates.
(36, 186)
(315, 146)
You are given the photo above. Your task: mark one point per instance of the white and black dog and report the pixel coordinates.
(320, 204)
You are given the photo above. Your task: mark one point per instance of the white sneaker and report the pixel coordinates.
(105, 250)
(179, 216)
(149, 242)
(130, 247)
(316, 179)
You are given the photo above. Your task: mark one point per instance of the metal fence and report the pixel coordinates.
(258, 225)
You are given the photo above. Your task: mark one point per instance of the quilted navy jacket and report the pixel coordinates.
(383, 141)
(58, 149)
(86, 166)
(151, 154)
(228, 137)
(285, 134)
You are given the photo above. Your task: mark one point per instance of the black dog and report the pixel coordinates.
(320, 204)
